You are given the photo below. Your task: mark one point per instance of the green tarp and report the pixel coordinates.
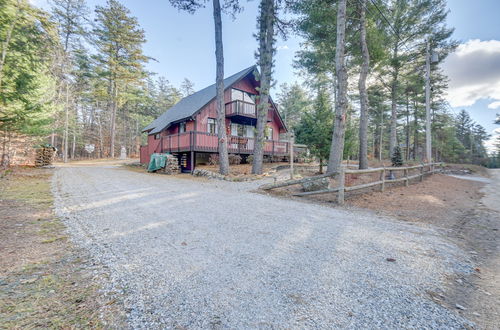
(156, 162)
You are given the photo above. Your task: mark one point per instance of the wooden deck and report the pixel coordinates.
(206, 142)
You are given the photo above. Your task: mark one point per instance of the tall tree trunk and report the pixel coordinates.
(101, 137)
(415, 131)
(394, 103)
(114, 104)
(407, 157)
(3, 161)
(219, 82)
(73, 147)
(381, 135)
(66, 126)
(337, 148)
(363, 95)
(266, 49)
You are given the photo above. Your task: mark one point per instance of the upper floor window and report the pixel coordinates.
(157, 136)
(182, 127)
(212, 126)
(269, 133)
(236, 94)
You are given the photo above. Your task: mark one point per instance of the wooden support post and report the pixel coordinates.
(407, 182)
(291, 155)
(422, 173)
(341, 188)
(193, 160)
(382, 178)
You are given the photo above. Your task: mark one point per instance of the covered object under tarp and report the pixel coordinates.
(157, 161)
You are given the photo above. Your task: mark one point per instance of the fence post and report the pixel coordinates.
(382, 174)
(422, 172)
(340, 195)
(407, 182)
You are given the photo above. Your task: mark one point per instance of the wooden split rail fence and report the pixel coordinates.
(341, 176)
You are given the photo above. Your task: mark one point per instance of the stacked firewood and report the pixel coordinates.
(44, 156)
(172, 165)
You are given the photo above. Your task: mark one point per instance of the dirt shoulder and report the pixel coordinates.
(459, 209)
(45, 282)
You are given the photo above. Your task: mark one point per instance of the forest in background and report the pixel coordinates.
(71, 81)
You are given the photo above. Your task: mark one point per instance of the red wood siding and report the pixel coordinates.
(196, 137)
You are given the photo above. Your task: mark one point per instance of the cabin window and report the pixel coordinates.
(269, 133)
(157, 136)
(182, 127)
(212, 126)
(236, 94)
(250, 131)
(242, 130)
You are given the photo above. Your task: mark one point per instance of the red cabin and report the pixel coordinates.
(189, 128)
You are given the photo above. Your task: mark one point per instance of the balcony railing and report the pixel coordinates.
(241, 108)
(207, 142)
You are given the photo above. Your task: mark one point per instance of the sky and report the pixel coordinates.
(182, 45)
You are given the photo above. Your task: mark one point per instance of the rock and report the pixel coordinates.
(476, 314)
(460, 307)
(320, 184)
(208, 174)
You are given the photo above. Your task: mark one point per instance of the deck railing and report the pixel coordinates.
(241, 108)
(207, 142)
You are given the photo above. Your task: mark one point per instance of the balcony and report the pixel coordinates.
(241, 108)
(206, 142)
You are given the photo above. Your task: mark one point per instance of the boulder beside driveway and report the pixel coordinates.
(320, 184)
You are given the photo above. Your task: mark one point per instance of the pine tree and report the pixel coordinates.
(293, 102)
(315, 127)
(363, 94)
(231, 6)
(266, 38)
(397, 157)
(338, 138)
(187, 87)
(411, 23)
(26, 85)
(119, 40)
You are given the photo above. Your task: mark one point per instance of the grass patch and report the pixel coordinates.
(45, 281)
(54, 239)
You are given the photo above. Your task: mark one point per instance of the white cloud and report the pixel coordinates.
(494, 105)
(474, 72)
(284, 47)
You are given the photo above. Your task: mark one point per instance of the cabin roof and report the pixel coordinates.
(189, 105)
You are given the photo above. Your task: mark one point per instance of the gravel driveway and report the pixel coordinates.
(195, 254)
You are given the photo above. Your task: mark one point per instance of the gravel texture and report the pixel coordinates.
(211, 254)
